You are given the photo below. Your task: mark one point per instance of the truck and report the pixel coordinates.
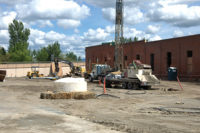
(136, 76)
(99, 71)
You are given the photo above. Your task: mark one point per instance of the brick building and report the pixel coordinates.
(182, 53)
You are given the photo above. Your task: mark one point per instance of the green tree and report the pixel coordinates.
(136, 39)
(3, 55)
(2, 51)
(45, 53)
(70, 56)
(126, 40)
(18, 43)
(79, 58)
(53, 49)
(42, 54)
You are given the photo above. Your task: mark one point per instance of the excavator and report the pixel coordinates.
(56, 69)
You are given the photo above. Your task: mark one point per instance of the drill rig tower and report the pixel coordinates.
(119, 35)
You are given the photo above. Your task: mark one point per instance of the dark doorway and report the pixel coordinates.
(125, 61)
(105, 60)
(137, 57)
(189, 53)
(152, 61)
(125, 58)
(169, 59)
(189, 61)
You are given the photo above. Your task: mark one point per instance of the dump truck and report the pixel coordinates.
(136, 76)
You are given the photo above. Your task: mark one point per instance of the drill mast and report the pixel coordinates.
(119, 35)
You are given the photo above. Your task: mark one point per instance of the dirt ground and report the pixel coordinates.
(135, 111)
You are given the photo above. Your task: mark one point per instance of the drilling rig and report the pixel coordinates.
(119, 36)
(137, 74)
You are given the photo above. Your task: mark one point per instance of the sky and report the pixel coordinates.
(77, 24)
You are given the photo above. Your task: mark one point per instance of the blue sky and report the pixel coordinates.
(77, 24)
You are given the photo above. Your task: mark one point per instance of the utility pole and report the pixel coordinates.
(119, 35)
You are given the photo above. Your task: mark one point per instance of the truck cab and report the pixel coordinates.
(99, 71)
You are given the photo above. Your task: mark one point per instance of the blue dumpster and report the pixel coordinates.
(172, 73)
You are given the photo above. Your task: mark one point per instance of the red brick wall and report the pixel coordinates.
(177, 46)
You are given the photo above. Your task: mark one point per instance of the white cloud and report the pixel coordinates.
(132, 32)
(68, 23)
(4, 38)
(4, 35)
(131, 15)
(37, 37)
(98, 35)
(168, 2)
(42, 23)
(111, 3)
(76, 31)
(101, 3)
(12, 2)
(153, 29)
(109, 14)
(110, 29)
(180, 15)
(155, 38)
(40, 39)
(54, 36)
(6, 18)
(178, 33)
(52, 9)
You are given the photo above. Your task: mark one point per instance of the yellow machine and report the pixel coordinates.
(34, 72)
(78, 71)
(56, 69)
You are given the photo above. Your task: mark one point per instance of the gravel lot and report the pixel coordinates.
(135, 111)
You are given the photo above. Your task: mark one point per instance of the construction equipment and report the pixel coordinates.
(78, 71)
(75, 70)
(98, 72)
(119, 35)
(2, 75)
(34, 72)
(56, 68)
(136, 76)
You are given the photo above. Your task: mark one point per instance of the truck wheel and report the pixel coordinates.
(124, 85)
(108, 85)
(101, 79)
(147, 87)
(136, 86)
(130, 85)
(90, 79)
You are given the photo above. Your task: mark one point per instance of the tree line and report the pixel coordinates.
(18, 50)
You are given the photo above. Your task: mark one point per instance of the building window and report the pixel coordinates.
(125, 58)
(137, 57)
(152, 61)
(189, 53)
(169, 59)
